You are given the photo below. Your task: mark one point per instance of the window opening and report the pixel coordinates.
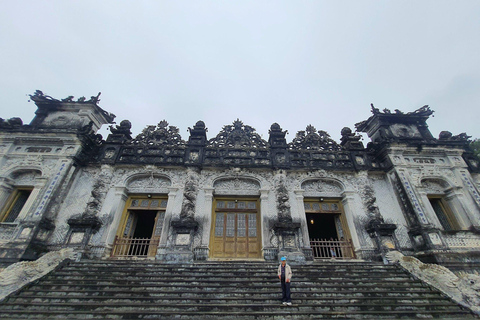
(15, 206)
(443, 213)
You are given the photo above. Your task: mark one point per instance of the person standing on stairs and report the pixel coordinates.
(285, 276)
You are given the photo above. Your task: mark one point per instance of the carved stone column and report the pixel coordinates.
(287, 231)
(202, 252)
(163, 246)
(180, 246)
(6, 188)
(307, 250)
(348, 203)
(120, 197)
(383, 234)
(82, 227)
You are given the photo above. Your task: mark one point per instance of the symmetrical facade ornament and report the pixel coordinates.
(234, 195)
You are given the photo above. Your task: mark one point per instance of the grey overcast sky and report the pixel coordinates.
(291, 62)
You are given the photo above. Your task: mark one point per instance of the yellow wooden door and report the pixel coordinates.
(236, 235)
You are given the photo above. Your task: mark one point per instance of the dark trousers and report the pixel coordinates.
(286, 291)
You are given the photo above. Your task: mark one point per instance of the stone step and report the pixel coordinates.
(233, 282)
(270, 273)
(213, 278)
(200, 299)
(257, 288)
(230, 266)
(227, 307)
(298, 292)
(281, 313)
(220, 265)
(227, 290)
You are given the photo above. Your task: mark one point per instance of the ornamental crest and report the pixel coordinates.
(159, 135)
(238, 135)
(311, 139)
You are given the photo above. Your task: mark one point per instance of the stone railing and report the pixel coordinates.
(464, 289)
(463, 240)
(19, 274)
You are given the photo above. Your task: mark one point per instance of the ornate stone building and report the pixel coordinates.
(234, 196)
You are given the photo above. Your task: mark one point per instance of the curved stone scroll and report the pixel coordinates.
(237, 186)
(322, 187)
(464, 290)
(22, 273)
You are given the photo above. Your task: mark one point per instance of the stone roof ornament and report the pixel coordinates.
(160, 135)
(447, 135)
(311, 139)
(44, 100)
(237, 135)
(423, 111)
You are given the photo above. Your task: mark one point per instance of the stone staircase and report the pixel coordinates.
(227, 290)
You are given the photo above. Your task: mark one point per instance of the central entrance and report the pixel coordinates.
(236, 229)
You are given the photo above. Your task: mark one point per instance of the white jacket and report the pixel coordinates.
(288, 272)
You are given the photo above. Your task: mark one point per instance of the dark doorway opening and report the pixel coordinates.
(145, 223)
(143, 232)
(321, 226)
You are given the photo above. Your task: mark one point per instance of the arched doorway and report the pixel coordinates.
(327, 228)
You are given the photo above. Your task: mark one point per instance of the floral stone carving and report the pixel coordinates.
(311, 139)
(159, 135)
(238, 135)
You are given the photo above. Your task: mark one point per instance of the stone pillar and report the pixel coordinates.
(269, 252)
(348, 203)
(202, 252)
(6, 188)
(163, 245)
(465, 218)
(120, 197)
(307, 250)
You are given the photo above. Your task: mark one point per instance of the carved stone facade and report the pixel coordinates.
(84, 192)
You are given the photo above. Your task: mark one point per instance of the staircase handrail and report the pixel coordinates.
(18, 275)
(464, 290)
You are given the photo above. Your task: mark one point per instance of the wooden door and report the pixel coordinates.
(236, 234)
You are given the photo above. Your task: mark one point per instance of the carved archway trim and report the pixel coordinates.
(148, 182)
(23, 169)
(435, 184)
(322, 187)
(241, 185)
(25, 176)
